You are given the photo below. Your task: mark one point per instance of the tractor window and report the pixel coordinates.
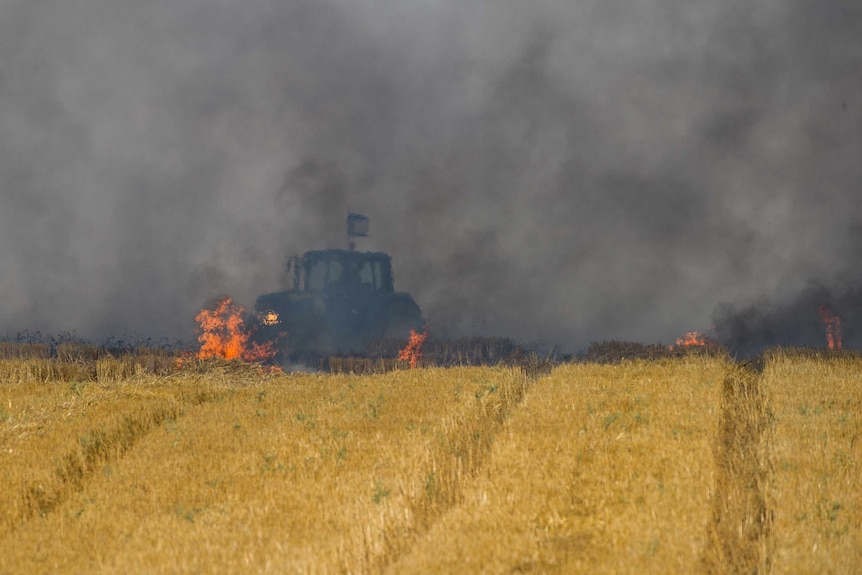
(316, 279)
(366, 274)
(378, 275)
(335, 271)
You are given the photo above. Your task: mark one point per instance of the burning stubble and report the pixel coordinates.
(223, 332)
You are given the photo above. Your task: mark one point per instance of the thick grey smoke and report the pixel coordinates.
(555, 170)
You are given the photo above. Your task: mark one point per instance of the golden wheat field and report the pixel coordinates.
(688, 465)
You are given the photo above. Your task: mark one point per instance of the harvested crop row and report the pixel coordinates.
(53, 440)
(602, 469)
(298, 474)
(55, 436)
(816, 493)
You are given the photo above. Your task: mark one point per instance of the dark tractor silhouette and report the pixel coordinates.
(341, 301)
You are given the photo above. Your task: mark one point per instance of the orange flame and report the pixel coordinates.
(223, 334)
(833, 327)
(412, 352)
(691, 339)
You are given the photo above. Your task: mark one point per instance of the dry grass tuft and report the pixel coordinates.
(77, 362)
(14, 350)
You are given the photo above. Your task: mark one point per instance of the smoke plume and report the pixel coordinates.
(549, 170)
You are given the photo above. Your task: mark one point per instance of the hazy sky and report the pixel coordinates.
(555, 170)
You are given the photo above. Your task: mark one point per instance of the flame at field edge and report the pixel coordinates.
(223, 333)
(833, 327)
(412, 352)
(691, 339)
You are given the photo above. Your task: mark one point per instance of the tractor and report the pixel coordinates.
(340, 302)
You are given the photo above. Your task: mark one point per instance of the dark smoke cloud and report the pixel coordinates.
(800, 322)
(565, 171)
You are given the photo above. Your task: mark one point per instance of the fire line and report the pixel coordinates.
(412, 352)
(223, 334)
(691, 339)
(833, 327)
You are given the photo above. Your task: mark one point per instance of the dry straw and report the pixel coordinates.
(816, 492)
(693, 464)
(604, 469)
(250, 472)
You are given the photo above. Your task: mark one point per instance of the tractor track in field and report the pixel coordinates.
(95, 449)
(469, 442)
(739, 535)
